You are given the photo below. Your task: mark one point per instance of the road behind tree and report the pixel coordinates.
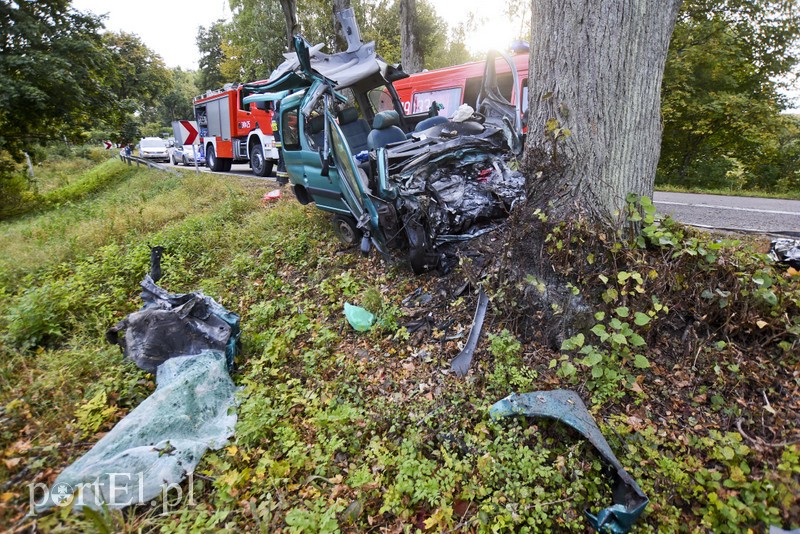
(762, 215)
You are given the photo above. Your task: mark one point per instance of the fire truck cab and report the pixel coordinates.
(234, 132)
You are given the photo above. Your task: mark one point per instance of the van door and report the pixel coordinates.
(491, 102)
(352, 182)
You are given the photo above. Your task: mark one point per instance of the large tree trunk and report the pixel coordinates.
(411, 55)
(292, 26)
(594, 133)
(341, 35)
(594, 110)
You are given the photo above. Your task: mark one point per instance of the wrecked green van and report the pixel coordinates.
(404, 184)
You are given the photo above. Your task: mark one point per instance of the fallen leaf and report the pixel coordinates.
(20, 446)
(636, 423)
(13, 462)
(761, 324)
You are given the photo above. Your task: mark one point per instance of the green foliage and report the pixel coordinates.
(139, 78)
(15, 189)
(38, 316)
(720, 98)
(348, 432)
(510, 373)
(176, 104)
(60, 77)
(94, 413)
(51, 58)
(209, 43)
(253, 42)
(615, 354)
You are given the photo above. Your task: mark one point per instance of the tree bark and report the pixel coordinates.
(292, 26)
(594, 110)
(594, 134)
(411, 55)
(341, 38)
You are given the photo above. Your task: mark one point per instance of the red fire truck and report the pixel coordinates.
(452, 86)
(232, 132)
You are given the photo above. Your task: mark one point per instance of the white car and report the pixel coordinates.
(185, 154)
(153, 148)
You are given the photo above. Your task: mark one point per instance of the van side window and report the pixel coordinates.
(524, 95)
(472, 88)
(290, 130)
(449, 98)
(380, 99)
(505, 82)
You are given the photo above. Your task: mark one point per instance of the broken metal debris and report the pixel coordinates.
(452, 189)
(359, 318)
(566, 406)
(785, 251)
(462, 362)
(155, 262)
(159, 442)
(417, 298)
(171, 325)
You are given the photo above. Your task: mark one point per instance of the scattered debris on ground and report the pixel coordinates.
(566, 406)
(786, 251)
(159, 442)
(170, 325)
(189, 341)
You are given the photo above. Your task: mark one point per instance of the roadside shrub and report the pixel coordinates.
(95, 154)
(15, 193)
(38, 316)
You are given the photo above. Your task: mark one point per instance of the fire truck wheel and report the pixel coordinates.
(260, 165)
(225, 163)
(214, 163)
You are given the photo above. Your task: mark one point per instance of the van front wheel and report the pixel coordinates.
(346, 230)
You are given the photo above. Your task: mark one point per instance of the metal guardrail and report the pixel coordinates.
(130, 160)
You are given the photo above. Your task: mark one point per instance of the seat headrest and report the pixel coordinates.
(347, 115)
(316, 124)
(384, 119)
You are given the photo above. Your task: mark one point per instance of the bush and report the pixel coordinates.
(15, 193)
(38, 317)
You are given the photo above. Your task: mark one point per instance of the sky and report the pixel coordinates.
(168, 27)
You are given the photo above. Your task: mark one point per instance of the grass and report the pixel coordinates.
(341, 431)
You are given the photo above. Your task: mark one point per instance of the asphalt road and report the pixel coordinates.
(747, 214)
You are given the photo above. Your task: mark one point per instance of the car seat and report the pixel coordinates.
(316, 130)
(354, 129)
(385, 130)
